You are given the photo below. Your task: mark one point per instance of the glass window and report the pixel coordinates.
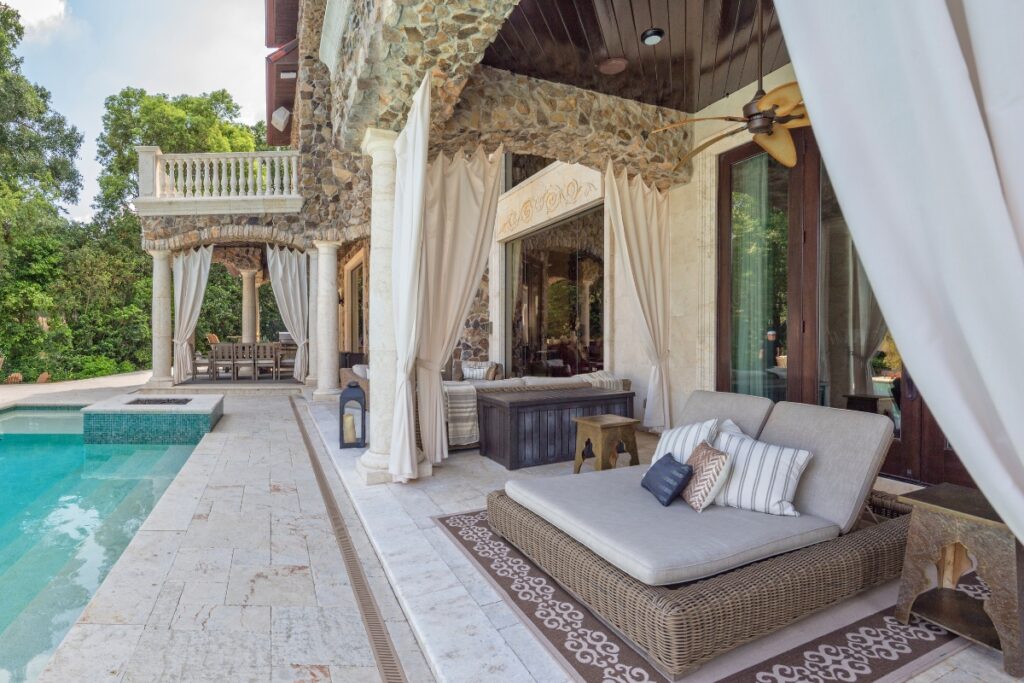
(859, 365)
(556, 297)
(760, 271)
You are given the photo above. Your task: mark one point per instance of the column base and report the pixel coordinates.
(372, 468)
(326, 393)
(310, 380)
(160, 383)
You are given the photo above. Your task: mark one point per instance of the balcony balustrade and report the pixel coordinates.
(217, 183)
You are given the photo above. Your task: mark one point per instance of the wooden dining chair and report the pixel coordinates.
(266, 358)
(221, 357)
(245, 357)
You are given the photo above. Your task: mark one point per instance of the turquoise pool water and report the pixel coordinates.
(67, 511)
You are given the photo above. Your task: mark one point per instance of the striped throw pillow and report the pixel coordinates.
(475, 369)
(763, 477)
(679, 442)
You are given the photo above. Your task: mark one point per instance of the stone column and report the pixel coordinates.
(250, 302)
(312, 333)
(373, 464)
(161, 319)
(327, 318)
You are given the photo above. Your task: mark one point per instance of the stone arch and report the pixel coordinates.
(531, 116)
(185, 232)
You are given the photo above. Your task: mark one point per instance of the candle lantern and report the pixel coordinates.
(352, 416)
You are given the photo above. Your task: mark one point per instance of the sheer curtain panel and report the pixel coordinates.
(288, 279)
(917, 108)
(458, 227)
(191, 269)
(407, 275)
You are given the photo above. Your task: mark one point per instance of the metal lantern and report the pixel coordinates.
(352, 416)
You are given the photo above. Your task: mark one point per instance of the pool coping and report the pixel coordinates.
(199, 404)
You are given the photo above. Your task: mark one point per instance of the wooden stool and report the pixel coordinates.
(947, 523)
(603, 437)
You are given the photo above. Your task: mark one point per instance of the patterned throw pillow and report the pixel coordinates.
(476, 369)
(680, 441)
(763, 477)
(710, 469)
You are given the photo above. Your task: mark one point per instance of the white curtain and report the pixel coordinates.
(191, 269)
(458, 226)
(917, 108)
(407, 275)
(288, 279)
(867, 327)
(637, 215)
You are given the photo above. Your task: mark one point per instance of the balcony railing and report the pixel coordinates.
(217, 183)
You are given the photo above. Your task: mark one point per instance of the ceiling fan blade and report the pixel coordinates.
(707, 143)
(784, 98)
(779, 145)
(677, 124)
(798, 118)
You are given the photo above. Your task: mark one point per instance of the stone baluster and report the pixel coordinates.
(295, 174)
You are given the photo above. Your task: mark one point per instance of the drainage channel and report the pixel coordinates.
(380, 642)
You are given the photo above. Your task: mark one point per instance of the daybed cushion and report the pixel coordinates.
(848, 448)
(748, 412)
(612, 515)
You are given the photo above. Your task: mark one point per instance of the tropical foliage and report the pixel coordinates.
(75, 297)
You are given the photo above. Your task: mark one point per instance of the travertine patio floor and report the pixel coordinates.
(235, 576)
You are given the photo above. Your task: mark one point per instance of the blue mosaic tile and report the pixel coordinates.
(149, 428)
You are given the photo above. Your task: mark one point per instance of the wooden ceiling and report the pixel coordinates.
(282, 21)
(709, 49)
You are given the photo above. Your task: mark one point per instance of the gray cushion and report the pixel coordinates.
(613, 516)
(749, 412)
(848, 448)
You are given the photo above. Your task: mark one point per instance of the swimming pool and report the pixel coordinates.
(67, 511)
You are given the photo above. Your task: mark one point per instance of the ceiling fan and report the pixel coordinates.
(769, 116)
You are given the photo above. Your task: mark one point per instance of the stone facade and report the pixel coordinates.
(531, 116)
(390, 45)
(335, 186)
(474, 344)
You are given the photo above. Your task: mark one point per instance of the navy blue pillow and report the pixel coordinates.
(666, 479)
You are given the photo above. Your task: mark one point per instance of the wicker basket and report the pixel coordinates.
(680, 627)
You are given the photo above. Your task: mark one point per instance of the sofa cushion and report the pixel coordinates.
(748, 412)
(848, 448)
(609, 513)
(710, 470)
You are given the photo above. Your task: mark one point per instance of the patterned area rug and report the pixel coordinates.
(876, 649)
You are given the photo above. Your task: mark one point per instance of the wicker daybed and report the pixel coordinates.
(679, 627)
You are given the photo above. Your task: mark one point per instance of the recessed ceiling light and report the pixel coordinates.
(612, 66)
(652, 36)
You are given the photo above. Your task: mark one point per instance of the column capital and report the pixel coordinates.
(159, 253)
(378, 140)
(326, 245)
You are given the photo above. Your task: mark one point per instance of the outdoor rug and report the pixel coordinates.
(839, 644)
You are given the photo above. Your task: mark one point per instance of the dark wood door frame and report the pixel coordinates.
(802, 317)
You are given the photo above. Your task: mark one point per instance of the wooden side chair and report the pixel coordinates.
(267, 357)
(221, 357)
(245, 357)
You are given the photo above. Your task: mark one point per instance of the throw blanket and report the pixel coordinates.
(460, 409)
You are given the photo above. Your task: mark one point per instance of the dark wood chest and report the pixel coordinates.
(524, 429)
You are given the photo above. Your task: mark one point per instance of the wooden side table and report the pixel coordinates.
(600, 437)
(947, 523)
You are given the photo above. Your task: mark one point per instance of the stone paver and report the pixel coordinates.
(235, 576)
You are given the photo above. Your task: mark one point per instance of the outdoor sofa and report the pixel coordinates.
(685, 587)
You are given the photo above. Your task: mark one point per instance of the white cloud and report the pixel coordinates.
(41, 18)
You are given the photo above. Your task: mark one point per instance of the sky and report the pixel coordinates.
(82, 51)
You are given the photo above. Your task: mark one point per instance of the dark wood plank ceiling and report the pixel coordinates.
(709, 49)
(282, 21)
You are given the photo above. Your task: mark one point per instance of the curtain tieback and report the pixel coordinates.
(428, 365)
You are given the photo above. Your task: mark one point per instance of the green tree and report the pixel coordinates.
(37, 168)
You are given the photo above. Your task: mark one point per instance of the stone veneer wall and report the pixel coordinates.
(390, 45)
(474, 344)
(531, 116)
(335, 186)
